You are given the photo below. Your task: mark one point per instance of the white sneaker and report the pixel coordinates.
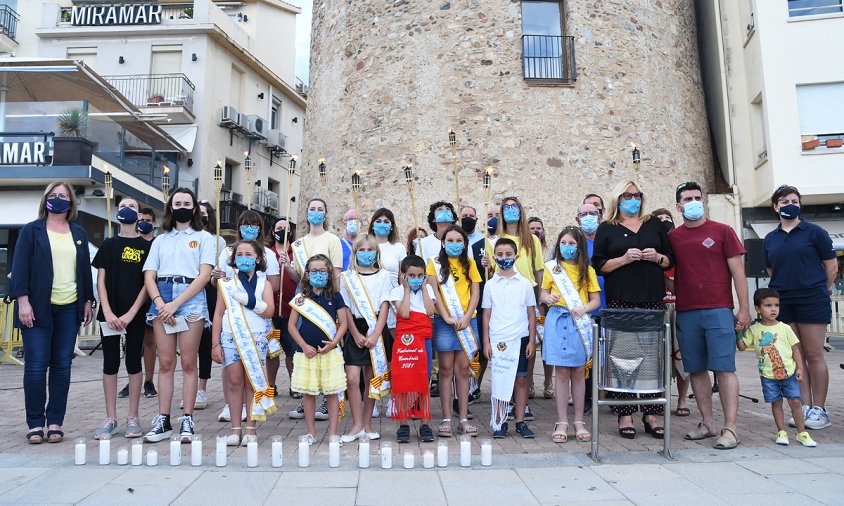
(375, 412)
(201, 400)
(225, 415)
(818, 418)
(792, 423)
(389, 410)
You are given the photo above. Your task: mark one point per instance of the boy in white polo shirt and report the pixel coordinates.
(509, 331)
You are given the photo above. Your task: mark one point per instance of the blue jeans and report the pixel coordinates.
(49, 345)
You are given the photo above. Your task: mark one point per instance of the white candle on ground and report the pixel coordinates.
(304, 452)
(386, 455)
(334, 451)
(442, 454)
(278, 453)
(152, 457)
(122, 456)
(137, 452)
(428, 459)
(220, 452)
(105, 451)
(465, 452)
(409, 459)
(486, 452)
(252, 452)
(363, 453)
(196, 450)
(176, 451)
(80, 452)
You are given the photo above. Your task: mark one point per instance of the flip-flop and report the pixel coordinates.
(698, 434)
(682, 412)
(725, 443)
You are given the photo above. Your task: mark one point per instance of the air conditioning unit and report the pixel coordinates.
(243, 122)
(271, 200)
(276, 140)
(229, 116)
(237, 198)
(257, 127)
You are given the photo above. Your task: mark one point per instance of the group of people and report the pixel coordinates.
(368, 316)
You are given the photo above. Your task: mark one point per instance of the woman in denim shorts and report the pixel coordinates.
(175, 274)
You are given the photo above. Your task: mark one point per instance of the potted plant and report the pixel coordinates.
(71, 147)
(834, 143)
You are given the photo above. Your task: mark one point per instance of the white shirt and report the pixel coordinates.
(417, 301)
(180, 253)
(377, 287)
(391, 257)
(508, 299)
(431, 247)
(273, 268)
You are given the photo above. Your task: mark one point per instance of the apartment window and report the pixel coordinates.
(88, 55)
(166, 59)
(275, 113)
(813, 7)
(758, 130)
(228, 175)
(821, 109)
(236, 87)
(547, 53)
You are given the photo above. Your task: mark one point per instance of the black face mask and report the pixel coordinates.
(280, 236)
(468, 223)
(183, 215)
(668, 226)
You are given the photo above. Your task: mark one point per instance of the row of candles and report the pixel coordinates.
(125, 456)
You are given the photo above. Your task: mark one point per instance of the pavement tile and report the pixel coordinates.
(824, 488)
(143, 486)
(485, 487)
(319, 479)
(834, 464)
(332, 496)
(229, 487)
(790, 497)
(773, 467)
(726, 478)
(409, 488)
(11, 478)
(566, 485)
(64, 485)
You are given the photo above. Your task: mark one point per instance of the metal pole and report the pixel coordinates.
(666, 441)
(596, 371)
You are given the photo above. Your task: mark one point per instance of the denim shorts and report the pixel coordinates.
(707, 339)
(445, 337)
(231, 354)
(774, 390)
(193, 310)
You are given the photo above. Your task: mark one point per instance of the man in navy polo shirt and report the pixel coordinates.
(709, 262)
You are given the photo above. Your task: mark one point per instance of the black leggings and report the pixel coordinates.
(205, 340)
(134, 350)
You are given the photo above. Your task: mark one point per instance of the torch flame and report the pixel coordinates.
(321, 160)
(633, 145)
(166, 169)
(488, 169)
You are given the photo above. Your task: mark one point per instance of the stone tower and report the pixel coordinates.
(390, 77)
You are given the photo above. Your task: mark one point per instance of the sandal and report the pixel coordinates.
(560, 436)
(35, 437)
(626, 432)
(698, 434)
(531, 392)
(467, 428)
(548, 392)
(725, 443)
(403, 434)
(582, 434)
(444, 429)
(656, 431)
(426, 434)
(682, 412)
(55, 436)
(243, 440)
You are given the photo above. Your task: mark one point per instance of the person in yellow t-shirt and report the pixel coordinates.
(453, 262)
(780, 363)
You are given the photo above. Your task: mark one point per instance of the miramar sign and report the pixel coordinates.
(116, 14)
(23, 153)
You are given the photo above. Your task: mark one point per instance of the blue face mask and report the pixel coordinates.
(144, 227)
(589, 223)
(631, 206)
(416, 283)
(790, 211)
(568, 252)
(58, 206)
(318, 280)
(444, 216)
(127, 215)
(512, 214)
(492, 225)
(454, 249)
(382, 229)
(693, 211)
(316, 217)
(365, 258)
(352, 228)
(505, 264)
(245, 264)
(249, 232)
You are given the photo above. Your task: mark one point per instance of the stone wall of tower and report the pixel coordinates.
(390, 77)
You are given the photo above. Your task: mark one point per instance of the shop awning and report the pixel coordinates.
(185, 135)
(835, 229)
(47, 80)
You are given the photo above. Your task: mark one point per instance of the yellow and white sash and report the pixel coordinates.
(300, 253)
(263, 402)
(380, 384)
(572, 298)
(309, 309)
(452, 302)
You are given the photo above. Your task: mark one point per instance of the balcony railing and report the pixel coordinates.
(8, 21)
(169, 12)
(155, 90)
(230, 211)
(548, 58)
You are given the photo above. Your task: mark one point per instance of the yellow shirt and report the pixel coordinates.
(463, 285)
(571, 271)
(525, 264)
(773, 347)
(326, 244)
(63, 252)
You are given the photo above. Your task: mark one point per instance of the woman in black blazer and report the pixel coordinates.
(51, 281)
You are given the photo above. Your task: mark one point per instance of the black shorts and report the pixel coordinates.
(522, 368)
(288, 345)
(811, 307)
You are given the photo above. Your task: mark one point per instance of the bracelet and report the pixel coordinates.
(216, 345)
(157, 297)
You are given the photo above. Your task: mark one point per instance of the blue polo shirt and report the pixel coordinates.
(795, 258)
(589, 246)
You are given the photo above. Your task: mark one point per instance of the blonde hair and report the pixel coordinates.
(42, 208)
(364, 240)
(526, 238)
(613, 213)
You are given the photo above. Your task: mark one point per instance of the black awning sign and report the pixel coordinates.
(124, 14)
